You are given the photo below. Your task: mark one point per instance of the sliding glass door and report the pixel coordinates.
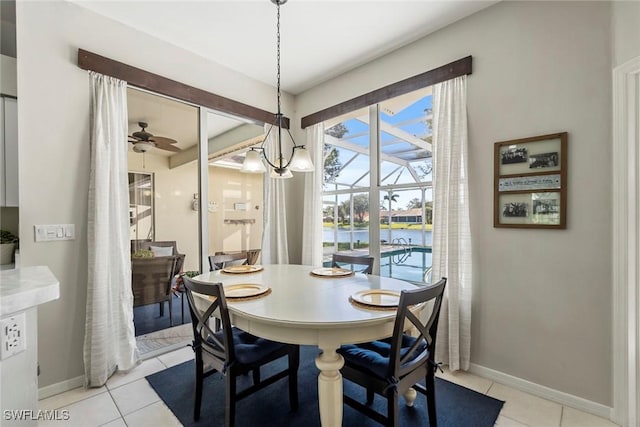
(163, 178)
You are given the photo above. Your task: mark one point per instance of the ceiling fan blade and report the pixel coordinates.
(168, 147)
(163, 140)
(133, 138)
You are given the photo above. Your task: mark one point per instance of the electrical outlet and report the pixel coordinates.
(13, 335)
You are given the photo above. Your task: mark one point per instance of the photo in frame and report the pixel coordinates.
(530, 182)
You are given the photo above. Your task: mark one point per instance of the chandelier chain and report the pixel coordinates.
(278, 52)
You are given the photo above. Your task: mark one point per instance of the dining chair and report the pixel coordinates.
(342, 260)
(151, 281)
(220, 261)
(233, 352)
(153, 246)
(392, 366)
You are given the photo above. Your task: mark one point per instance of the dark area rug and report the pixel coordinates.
(147, 319)
(456, 406)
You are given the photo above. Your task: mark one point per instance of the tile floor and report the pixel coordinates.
(156, 341)
(128, 400)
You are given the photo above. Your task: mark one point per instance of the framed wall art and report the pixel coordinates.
(530, 182)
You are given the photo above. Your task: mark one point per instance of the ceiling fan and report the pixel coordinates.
(143, 141)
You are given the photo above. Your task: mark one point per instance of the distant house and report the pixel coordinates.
(409, 216)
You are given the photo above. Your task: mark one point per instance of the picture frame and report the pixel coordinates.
(530, 182)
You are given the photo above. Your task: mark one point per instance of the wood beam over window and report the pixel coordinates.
(174, 89)
(452, 70)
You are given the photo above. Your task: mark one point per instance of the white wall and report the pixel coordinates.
(54, 147)
(173, 195)
(227, 187)
(626, 31)
(541, 298)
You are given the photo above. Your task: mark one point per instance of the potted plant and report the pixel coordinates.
(8, 243)
(142, 253)
(179, 284)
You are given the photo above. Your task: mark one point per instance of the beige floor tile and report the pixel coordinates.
(526, 408)
(133, 396)
(115, 423)
(147, 367)
(69, 397)
(92, 412)
(503, 421)
(177, 356)
(575, 418)
(465, 379)
(157, 414)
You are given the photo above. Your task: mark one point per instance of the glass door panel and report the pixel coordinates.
(347, 178)
(235, 202)
(406, 205)
(345, 225)
(164, 176)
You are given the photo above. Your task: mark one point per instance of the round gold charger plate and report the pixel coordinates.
(245, 291)
(242, 269)
(376, 299)
(331, 272)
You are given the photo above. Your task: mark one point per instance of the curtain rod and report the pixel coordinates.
(155, 83)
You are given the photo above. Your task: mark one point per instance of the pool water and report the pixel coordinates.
(410, 266)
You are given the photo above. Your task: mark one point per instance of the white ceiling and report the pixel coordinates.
(320, 39)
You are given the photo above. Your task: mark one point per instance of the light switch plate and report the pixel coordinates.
(50, 232)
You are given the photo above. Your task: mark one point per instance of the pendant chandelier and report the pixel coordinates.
(255, 159)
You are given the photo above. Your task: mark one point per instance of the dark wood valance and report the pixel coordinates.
(164, 86)
(454, 69)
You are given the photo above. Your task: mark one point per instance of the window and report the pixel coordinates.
(404, 199)
(141, 206)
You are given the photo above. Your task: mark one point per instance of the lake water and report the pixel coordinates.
(363, 236)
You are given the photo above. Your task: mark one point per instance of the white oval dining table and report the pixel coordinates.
(306, 309)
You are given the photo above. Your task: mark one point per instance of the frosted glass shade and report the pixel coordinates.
(253, 163)
(301, 161)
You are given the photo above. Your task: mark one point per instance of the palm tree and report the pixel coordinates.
(391, 197)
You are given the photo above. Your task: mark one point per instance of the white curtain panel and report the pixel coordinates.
(275, 249)
(451, 231)
(312, 213)
(109, 341)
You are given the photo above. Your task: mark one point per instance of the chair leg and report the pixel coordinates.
(369, 396)
(161, 309)
(229, 419)
(170, 302)
(256, 376)
(198, 397)
(182, 306)
(431, 398)
(294, 362)
(392, 407)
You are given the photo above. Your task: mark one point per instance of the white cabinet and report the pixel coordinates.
(9, 151)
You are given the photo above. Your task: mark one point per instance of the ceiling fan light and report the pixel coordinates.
(301, 160)
(142, 146)
(253, 163)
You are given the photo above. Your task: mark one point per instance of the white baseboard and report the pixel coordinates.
(544, 392)
(60, 387)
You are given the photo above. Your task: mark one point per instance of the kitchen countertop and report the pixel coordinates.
(27, 287)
